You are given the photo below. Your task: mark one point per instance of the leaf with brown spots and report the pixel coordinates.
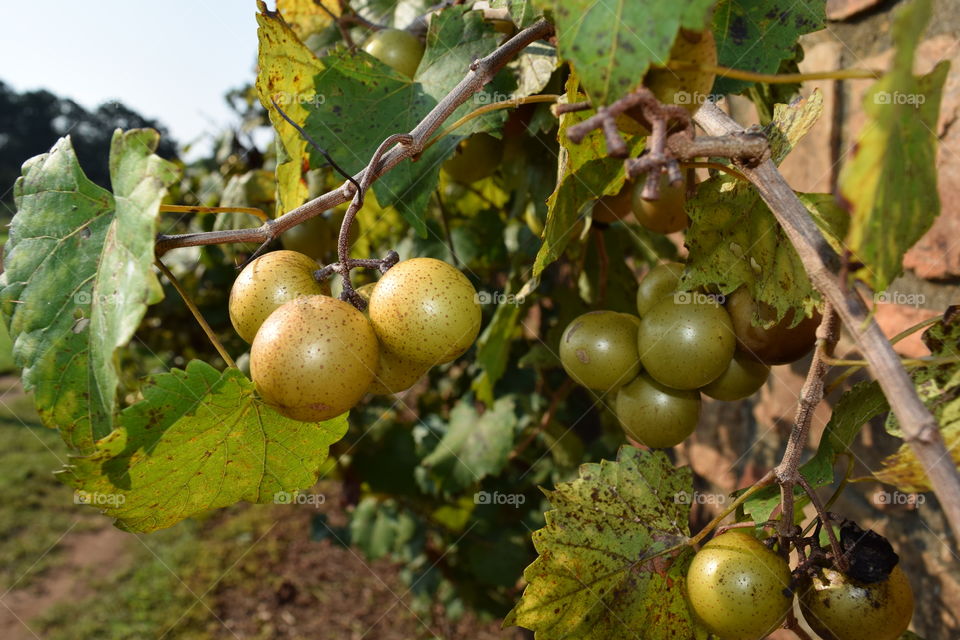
(612, 43)
(199, 440)
(756, 35)
(79, 276)
(286, 71)
(939, 387)
(599, 574)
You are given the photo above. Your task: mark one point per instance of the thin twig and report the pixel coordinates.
(480, 73)
(788, 471)
(196, 314)
(821, 263)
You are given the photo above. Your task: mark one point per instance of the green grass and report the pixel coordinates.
(36, 509)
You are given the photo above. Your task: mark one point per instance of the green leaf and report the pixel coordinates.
(756, 35)
(855, 408)
(939, 388)
(381, 528)
(493, 349)
(522, 11)
(475, 445)
(79, 277)
(735, 240)
(890, 184)
(458, 36)
(612, 43)
(285, 71)
(586, 172)
(364, 102)
(598, 575)
(199, 440)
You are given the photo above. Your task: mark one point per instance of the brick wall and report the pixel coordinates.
(859, 35)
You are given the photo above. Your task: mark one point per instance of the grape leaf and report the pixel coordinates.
(735, 240)
(493, 349)
(939, 387)
(381, 528)
(612, 43)
(890, 184)
(456, 38)
(756, 35)
(305, 17)
(586, 172)
(286, 71)
(598, 575)
(199, 440)
(474, 446)
(79, 277)
(791, 122)
(521, 11)
(365, 101)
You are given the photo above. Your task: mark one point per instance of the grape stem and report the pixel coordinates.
(920, 429)
(211, 334)
(775, 78)
(788, 471)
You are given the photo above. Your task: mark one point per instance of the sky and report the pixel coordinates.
(172, 60)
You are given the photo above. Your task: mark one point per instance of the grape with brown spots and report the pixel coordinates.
(268, 282)
(738, 588)
(838, 607)
(314, 358)
(599, 350)
(425, 311)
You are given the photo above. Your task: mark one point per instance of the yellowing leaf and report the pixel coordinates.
(199, 440)
(306, 17)
(286, 73)
(792, 122)
(890, 185)
(939, 388)
(604, 570)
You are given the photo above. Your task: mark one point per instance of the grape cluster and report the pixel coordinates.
(314, 357)
(740, 589)
(680, 345)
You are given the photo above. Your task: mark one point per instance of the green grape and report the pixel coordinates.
(265, 284)
(396, 48)
(686, 341)
(609, 209)
(659, 283)
(314, 358)
(837, 607)
(778, 344)
(666, 214)
(655, 415)
(741, 379)
(476, 157)
(739, 589)
(599, 350)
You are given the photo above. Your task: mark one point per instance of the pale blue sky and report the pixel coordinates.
(171, 60)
